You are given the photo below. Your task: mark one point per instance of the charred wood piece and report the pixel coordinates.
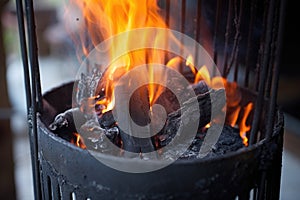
(64, 125)
(205, 102)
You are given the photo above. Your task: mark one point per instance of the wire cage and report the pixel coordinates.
(245, 40)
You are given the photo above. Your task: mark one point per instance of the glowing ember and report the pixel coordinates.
(207, 125)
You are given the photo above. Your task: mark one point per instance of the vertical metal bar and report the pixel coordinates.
(274, 173)
(262, 186)
(35, 94)
(167, 13)
(274, 89)
(198, 29)
(87, 47)
(182, 26)
(262, 42)
(183, 7)
(227, 34)
(255, 193)
(249, 41)
(29, 101)
(270, 117)
(216, 30)
(167, 16)
(237, 38)
(236, 71)
(198, 25)
(271, 64)
(67, 192)
(46, 186)
(260, 99)
(234, 57)
(20, 16)
(33, 53)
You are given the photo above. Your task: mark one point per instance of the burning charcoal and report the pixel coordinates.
(94, 136)
(136, 145)
(173, 122)
(169, 101)
(204, 101)
(106, 120)
(91, 130)
(139, 107)
(228, 141)
(63, 123)
(112, 133)
(139, 113)
(200, 87)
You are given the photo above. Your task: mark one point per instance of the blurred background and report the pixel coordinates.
(58, 64)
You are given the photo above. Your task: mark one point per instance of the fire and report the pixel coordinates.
(78, 141)
(104, 19)
(233, 96)
(234, 115)
(190, 62)
(207, 126)
(203, 74)
(244, 128)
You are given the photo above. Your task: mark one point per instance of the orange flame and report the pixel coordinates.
(104, 19)
(234, 116)
(190, 63)
(78, 141)
(203, 74)
(244, 128)
(233, 96)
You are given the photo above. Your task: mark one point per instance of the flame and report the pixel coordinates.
(207, 125)
(104, 19)
(190, 63)
(244, 128)
(233, 96)
(235, 114)
(203, 74)
(233, 117)
(78, 141)
(174, 63)
(218, 82)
